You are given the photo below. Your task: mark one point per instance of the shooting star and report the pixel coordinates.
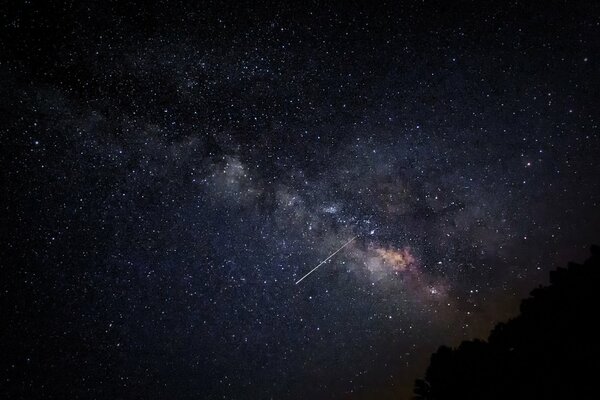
(327, 259)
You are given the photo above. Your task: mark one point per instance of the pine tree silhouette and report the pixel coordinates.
(550, 351)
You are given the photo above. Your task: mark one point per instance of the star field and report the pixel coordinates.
(170, 173)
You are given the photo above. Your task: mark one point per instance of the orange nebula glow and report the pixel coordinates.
(398, 260)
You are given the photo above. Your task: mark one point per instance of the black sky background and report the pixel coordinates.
(170, 171)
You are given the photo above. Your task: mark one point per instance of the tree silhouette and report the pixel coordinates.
(550, 351)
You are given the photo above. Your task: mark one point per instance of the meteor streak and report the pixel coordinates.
(327, 259)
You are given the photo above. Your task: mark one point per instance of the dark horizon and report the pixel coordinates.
(549, 351)
(172, 170)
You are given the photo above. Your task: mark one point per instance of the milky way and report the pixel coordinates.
(170, 173)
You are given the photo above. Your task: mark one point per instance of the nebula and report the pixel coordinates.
(397, 260)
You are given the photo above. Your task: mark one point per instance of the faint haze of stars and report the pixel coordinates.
(171, 172)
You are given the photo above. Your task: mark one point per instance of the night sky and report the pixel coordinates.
(169, 172)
